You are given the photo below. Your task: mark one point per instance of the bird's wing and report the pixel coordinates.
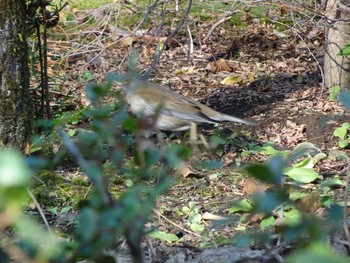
(173, 104)
(216, 116)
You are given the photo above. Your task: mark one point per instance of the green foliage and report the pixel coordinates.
(279, 204)
(241, 206)
(265, 149)
(163, 236)
(342, 134)
(334, 93)
(345, 51)
(316, 252)
(89, 4)
(102, 219)
(194, 217)
(15, 177)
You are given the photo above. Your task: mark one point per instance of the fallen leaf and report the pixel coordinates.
(232, 80)
(252, 186)
(185, 170)
(280, 65)
(219, 65)
(210, 216)
(309, 203)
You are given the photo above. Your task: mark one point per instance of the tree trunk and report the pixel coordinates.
(15, 103)
(337, 68)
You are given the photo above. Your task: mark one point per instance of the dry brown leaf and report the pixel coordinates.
(27, 149)
(219, 65)
(148, 39)
(126, 41)
(309, 203)
(252, 186)
(210, 216)
(280, 65)
(185, 170)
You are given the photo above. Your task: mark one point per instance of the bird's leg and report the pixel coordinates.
(193, 137)
(204, 141)
(193, 133)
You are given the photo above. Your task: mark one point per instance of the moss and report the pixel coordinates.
(54, 190)
(89, 4)
(258, 11)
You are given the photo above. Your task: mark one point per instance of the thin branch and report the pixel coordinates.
(92, 173)
(216, 24)
(176, 225)
(46, 78)
(41, 212)
(190, 44)
(311, 54)
(172, 34)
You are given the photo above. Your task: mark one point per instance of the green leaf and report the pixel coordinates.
(270, 173)
(130, 124)
(195, 218)
(292, 217)
(319, 157)
(302, 175)
(196, 227)
(341, 132)
(13, 170)
(34, 149)
(345, 51)
(269, 150)
(306, 163)
(72, 132)
(267, 222)
(329, 182)
(337, 155)
(296, 195)
(333, 93)
(316, 252)
(163, 236)
(301, 150)
(241, 206)
(343, 143)
(268, 201)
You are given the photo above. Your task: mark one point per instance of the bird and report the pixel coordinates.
(174, 112)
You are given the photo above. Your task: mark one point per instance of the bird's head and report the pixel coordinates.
(129, 81)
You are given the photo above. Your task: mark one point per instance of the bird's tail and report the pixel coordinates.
(226, 117)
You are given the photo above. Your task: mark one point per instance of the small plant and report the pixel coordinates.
(342, 134)
(194, 217)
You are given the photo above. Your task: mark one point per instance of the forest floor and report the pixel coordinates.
(274, 81)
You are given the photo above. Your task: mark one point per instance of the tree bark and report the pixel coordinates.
(337, 68)
(15, 103)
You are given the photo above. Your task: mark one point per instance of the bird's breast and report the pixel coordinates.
(139, 106)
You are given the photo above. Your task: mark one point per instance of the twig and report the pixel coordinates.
(173, 223)
(41, 212)
(46, 78)
(220, 21)
(311, 54)
(93, 174)
(190, 44)
(162, 47)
